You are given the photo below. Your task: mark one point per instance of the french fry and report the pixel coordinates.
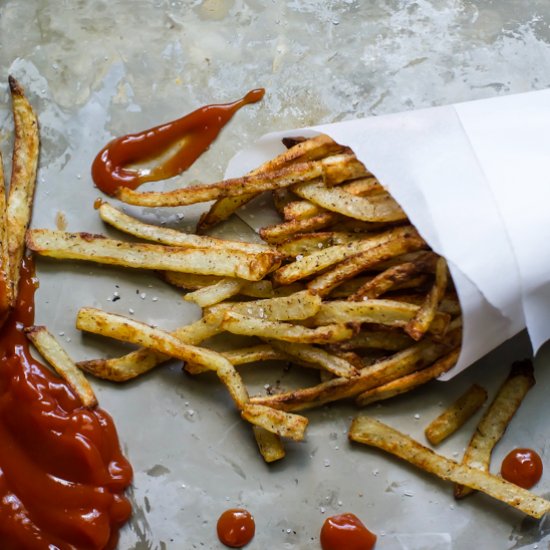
(253, 326)
(281, 423)
(301, 210)
(280, 232)
(6, 289)
(409, 382)
(210, 295)
(63, 365)
(306, 243)
(385, 340)
(496, 419)
(322, 259)
(163, 235)
(371, 432)
(456, 415)
(99, 249)
(342, 167)
(23, 178)
(269, 444)
(420, 324)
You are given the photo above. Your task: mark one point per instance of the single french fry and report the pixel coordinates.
(376, 434)
(496, 419)
(252, 326)
(6, 289)
(306, 243)
(63, 365)
(269, 444)
(163, 235)
(409, 382)
(23, 178)
(301, 210)
(281, 423)
(377, 339)
(99, 249)
(342, 167)
(456, 415)
(420, 324)
(129, 330)
(280, 232)
(213, 294)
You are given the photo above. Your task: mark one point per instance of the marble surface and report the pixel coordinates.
(96, 69)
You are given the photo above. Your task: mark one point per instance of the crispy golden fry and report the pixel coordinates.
(410, 381)
(375, 434)
(377, 339)
(281, 197)
(311, 149)
(496, 419)
(375, 208)
(456, 415)
(417, 327)
(6, 289)
(57, 357)
(269, 444)
(324, 258)
(97, 248)
(384, 312)
(364, 186)
(131, 365)
(306, 243)
(253, 326)
(316, 356)
(400, 364)
(213, 294)
(281, 423)
(280, 232)
(23, 178)
(128, 330)
(326, 282)
(162, 235)
(301, 210)
(342, 167)
(297, 306)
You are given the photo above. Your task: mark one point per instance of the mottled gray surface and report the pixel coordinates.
(96, 69)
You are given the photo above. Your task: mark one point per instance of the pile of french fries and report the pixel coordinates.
(344, 285)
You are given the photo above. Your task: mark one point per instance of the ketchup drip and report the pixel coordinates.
(190, 136)
(62, 473)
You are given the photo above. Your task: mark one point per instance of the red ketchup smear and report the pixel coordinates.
(191, 135)
(522, 467)
(62, 473)
(236, 528)
(346, 531)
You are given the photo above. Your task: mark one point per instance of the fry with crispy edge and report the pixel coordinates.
(23, 178)
(496, 419)
(99, 249)
(281, 423)
(63, 365)
(376, 434)
(218, 292)
(456, 415)
(269, 444)
(6, 289)
(409, 382)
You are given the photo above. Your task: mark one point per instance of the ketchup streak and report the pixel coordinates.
(190, 135)
(62, 473)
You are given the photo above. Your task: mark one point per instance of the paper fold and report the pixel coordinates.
(472, 179)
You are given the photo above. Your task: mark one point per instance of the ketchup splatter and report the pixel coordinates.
(62, 474)
(236, 528)
(346, 531)
(189, 136)
(522, 467)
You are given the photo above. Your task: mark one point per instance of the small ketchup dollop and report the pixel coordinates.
(236, 528)
(522, 467)
(346, 531)
(183, 141)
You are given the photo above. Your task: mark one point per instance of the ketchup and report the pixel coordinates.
(346, 531)
(189, 136)
(236, 528)
(522, 467)
(62, 473)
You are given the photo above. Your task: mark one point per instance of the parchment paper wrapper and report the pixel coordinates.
(474, 180)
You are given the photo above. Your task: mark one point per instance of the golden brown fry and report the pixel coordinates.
(63, 365)
(281, 423)
(326, 282)
(97, 248)
(410, 381)
(213, 294)
(306, 243)
(456, 415)
(280, 232)
(269, 444)
(377, 339)
(6, 289)
(129, 330)
(372, 432)
(23, 178)
(400, 364)
(417, 327)
(253, 326)
(163, 235)
(342, 167)
(301, 210)
(496, 419)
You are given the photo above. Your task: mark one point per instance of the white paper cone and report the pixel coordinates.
(473, 179)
